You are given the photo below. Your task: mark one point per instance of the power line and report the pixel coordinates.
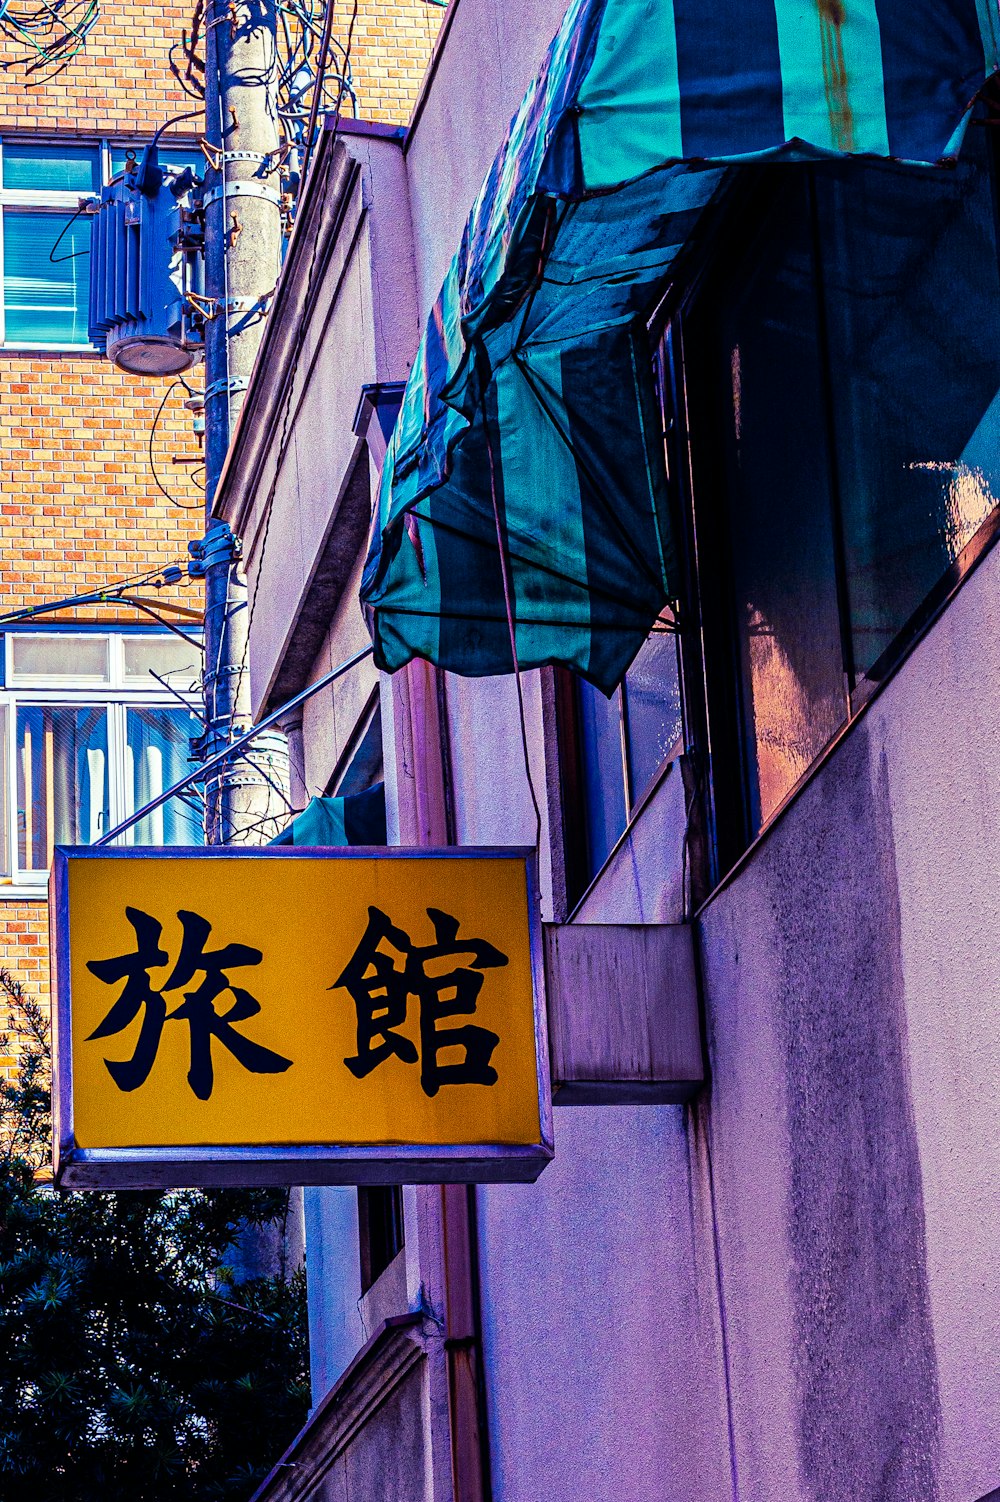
(181, 505)
(236, 746)
(52, 32)
(167, 574)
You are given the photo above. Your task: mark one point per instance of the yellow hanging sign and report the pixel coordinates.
(254, 1016)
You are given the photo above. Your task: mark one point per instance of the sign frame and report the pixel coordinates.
(260, 1166)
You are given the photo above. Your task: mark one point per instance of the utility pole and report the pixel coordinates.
(242, 201)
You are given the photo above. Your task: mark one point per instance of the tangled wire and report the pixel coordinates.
(303, 65)
(303, 68)
(47, 34)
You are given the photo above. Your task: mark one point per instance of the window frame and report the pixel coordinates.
(344, 765)
(381, 1230)
(61, 201)
(116, 697)
(709, 646)
(580, 878)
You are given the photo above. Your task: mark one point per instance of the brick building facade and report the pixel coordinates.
(80, 504)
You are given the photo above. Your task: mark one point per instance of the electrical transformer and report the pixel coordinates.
(147, 268)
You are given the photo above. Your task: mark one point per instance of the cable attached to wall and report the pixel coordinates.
(51, 33)
(181, 505)
(508, 595)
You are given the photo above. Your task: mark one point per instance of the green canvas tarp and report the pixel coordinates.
(525, 479)
(358, 819)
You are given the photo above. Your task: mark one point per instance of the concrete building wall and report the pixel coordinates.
(489, 55)
(787, 1293)
(287, 498)
(824, 1326)
(851, 982)
(600, 1311)
(804, 1258)
(819, 1229)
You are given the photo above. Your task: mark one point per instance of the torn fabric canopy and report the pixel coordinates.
(525, 480)
(358, 819)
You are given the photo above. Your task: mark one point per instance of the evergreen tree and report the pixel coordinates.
(131, 1370)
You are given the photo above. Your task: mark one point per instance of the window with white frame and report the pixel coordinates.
(45, 244)
(93, 725)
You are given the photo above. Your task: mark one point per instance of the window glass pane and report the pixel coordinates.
(65, 656)
(158, 753)
(769, 393)
(912, 293)
(603, 770)
(168, 656)
(654, 729)
(45, 300)
(62, 780)
(71, 168)
(177, 157)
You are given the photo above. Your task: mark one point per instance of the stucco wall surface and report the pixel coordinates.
(601, 1339)
(790, 1294)
(852, 988)
(490, 55)
(336, 1333)
(362, 330)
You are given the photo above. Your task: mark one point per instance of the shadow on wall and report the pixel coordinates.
(867, 1378)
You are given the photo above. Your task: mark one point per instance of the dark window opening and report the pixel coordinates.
(614, 750)
(380, 1230)
(360, 767)
(842, 392)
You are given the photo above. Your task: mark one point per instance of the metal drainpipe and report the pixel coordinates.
(470, 1459)
(423, 746)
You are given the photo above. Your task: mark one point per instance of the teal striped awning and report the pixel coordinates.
(525, 477)
(357, 819)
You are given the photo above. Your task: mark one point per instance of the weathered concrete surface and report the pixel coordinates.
(795, 1297)
(821, 1212)
(852, 983)
(333, 1276)
(492, 52)
(792, 1293)
(330, 717)
(600, 1319)
(654, 843)
(351, 276)
(368, 1439)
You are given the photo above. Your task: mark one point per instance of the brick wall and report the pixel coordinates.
(390, 48)
(78, 502)
(26, 944)
(128, 79)
(84, 446)
(122, 82)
